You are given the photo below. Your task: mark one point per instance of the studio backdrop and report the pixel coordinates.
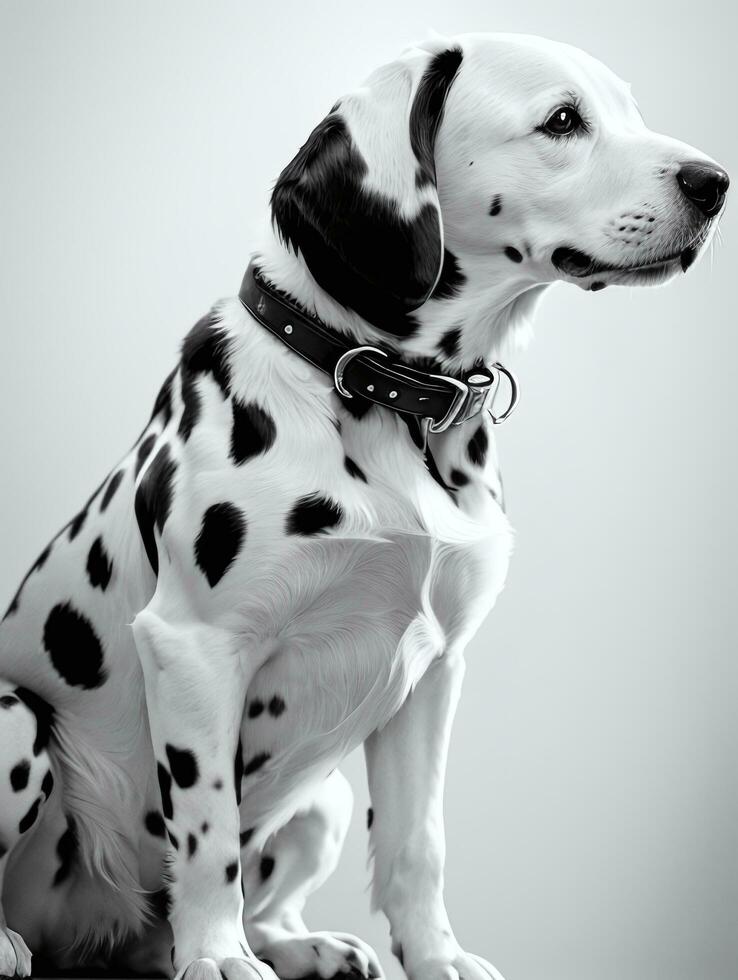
(592, 794)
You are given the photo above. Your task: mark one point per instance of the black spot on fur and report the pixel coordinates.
(353, 469)
(313, 514)
(205, 351)
(165, 788)
(458, 478)
(427, 108)
(30, 818)
(163, 403)
(76, 524)
(8, 700)
(155, 823)
(513, 254)
(369, 818)
(154, 500)
(43, 713)
(191, 405)
(245, 836)
(112, 486)
(19, 775)
(41, 560)
(231, 871)
(144, 451)
(253, 431)
(173, 840)
(451, 279)
(449, 342)
(47, 784)
(238, 770)
(74, 647)
(183, 766)
(416, 430)
(256, 762)
(256, 707)
(276, 706)
(435, 473)
(597, 286)
(219, 541)
(218, 784)
(99, 565)
(496, 205)
(357, 407)
(66, 850)
(478, 445)
(204, 827)
(191, 845)
(266, 867)
(160, 903)
(36, 567)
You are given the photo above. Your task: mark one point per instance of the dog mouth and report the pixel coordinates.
(578, 265)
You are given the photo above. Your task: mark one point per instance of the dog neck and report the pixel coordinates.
(476, 313)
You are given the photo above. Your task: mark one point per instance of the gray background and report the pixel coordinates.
(592, 800)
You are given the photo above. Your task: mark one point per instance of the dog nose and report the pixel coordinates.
(704, 185)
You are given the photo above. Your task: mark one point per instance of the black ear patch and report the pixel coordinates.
(427, 110)
(451, 279)
(356, 244)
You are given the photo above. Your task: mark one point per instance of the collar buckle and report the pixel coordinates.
(344, 360)
(472, 397)
(451, 416)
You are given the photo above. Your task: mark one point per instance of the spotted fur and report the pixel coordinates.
(258, 584)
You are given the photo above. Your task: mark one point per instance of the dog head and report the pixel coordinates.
(483, 168)
(544, 156)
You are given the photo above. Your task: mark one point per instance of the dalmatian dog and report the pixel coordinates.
(279, 571)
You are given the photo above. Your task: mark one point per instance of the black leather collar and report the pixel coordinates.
(369, 372)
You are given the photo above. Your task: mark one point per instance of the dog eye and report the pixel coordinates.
(563, 121)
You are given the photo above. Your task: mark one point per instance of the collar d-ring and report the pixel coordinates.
(514, 395)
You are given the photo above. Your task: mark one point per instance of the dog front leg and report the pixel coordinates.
(406, 762)
(196, 677)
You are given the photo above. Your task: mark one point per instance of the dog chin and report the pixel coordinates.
(650, 275)
(592, 274)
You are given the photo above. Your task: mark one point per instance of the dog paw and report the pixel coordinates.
(231, 968)
(462, 966)
(15, 956)
(319, 954)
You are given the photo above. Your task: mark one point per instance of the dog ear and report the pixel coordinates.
(359, 201)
